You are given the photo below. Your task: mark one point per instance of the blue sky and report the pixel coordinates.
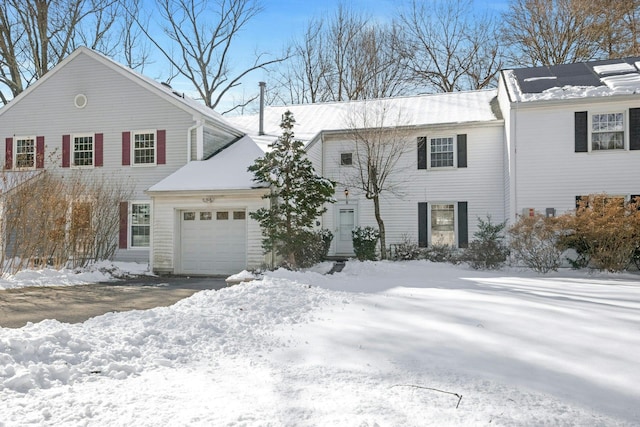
(281, 21)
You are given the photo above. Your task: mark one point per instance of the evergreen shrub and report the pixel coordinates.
(364, 242)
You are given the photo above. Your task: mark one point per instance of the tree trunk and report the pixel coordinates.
(383, 244)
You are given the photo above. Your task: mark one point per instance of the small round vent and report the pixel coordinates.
(80, 101)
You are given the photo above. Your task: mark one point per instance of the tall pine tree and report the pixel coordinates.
(298, 195)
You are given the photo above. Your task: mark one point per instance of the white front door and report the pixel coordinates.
(346, 223)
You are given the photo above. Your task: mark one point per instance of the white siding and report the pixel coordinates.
(549, 173)
(165, 224)
(481, 184)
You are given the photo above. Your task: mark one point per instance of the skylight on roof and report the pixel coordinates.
(621, 67)
(624, 83)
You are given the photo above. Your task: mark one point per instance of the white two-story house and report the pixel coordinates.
(570, 130)
(94, 116)
(449, 174)
(545, 137)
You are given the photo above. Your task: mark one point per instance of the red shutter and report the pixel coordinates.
(39, 152)
(162, 147)
(126, 148)
(124, 217)
(66, 150)
(8, 153)
(98, 149)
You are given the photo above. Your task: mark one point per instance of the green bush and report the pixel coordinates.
(407, 249)
(488, 250)
(440, 253)
(364, 242)
(311, 247)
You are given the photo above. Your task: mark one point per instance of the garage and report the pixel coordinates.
(213, 242)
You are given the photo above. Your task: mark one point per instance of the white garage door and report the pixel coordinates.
(213, 242)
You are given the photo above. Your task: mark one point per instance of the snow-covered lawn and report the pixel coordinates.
(364, 347)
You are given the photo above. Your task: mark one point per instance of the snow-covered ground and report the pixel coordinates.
(378, 344)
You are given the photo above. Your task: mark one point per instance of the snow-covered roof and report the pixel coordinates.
(571, 81)
(419, 110)
(227, 170)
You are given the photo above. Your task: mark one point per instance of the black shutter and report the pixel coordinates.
(634, 129)
(581, 132)
(422, 224)
(462, 150)
(422, 152)
(463, 225)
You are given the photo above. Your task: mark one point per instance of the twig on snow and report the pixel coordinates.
(459, 396)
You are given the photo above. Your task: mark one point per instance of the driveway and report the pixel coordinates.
(74, 304)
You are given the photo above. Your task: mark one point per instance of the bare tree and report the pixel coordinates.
(549, 32)
(621, 28)
(344, 57)
(35, 35)
(203, 33)
(380, 140)
(449, 48)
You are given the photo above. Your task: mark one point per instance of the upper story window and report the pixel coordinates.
(25, 153)
(83, 150)
(607, 131)
(441, 152)
(144, 148)
(346, 159)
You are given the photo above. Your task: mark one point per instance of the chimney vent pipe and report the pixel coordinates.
(262, 87)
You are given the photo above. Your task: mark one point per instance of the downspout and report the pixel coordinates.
(261, 126)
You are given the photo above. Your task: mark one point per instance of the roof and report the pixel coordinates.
(188, 104)
(227, 170)
(579, 80)
(419, 110)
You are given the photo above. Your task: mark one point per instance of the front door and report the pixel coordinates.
(346, 223)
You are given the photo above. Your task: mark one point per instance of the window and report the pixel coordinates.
(83, 150)
(239, 215)
(607, 131)
(189, 216)
(144, 148)
(443, 225)
(222, 215)
(140, 225)
(25, 153)
(441, 152)
(346, 159)
(205, 216)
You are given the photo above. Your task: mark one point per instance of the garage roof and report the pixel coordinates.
(227, 170)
